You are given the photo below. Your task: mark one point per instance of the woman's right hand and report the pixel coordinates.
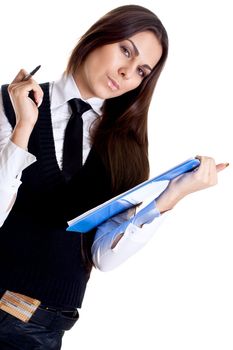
(26, 110)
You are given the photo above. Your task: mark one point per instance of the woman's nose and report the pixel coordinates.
(126, 72)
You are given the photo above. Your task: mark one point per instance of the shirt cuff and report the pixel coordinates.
(13, 161)
(140, 235)
(106, 258)
(146, 215)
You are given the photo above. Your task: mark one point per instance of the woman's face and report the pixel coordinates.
(114, 69)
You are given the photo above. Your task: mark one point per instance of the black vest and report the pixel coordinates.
(38, 257)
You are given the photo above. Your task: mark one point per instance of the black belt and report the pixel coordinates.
(52, 318)
(55, 319)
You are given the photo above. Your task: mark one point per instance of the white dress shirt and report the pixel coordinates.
(136, 229)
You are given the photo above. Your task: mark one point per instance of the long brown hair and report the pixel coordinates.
(121, 136)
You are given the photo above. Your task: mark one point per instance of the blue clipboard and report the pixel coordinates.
(96, 216)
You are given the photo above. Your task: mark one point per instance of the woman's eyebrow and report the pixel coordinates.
(136, 52)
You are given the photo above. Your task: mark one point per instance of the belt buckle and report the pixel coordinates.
(19, 305)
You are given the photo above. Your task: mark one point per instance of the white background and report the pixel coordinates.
(176, 293)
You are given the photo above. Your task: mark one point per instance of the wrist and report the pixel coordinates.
(26, 125)
(167, 200)
(21, 134)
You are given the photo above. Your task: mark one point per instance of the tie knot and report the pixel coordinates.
(78, 106)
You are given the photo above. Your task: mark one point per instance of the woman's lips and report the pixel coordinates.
(113, 84)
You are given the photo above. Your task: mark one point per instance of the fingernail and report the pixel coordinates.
(227, 164)
(39, 102)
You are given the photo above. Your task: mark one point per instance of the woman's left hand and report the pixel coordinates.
(204, 176)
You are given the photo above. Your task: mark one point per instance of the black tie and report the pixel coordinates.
(73, 141)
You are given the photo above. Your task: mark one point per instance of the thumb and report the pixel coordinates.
(221, 166)
(19, 77)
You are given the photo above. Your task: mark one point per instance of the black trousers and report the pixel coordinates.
(18, 335)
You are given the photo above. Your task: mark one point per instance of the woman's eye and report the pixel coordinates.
(126, 51)
(141, 72)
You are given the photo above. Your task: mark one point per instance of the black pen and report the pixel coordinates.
(28, 76)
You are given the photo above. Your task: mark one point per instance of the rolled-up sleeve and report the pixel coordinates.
(136, 231)
(13, 160)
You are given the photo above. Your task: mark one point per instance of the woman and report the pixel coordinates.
(114, 68)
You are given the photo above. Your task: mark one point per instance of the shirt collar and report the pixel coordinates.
(65, 88)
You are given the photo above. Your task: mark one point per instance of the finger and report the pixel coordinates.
(37, 93)
(38, 96)
(25, 87)
(213, 179)
(221, 166)
(202, 168)
(209, 173)
(34, 88)
(20, 76)
(206, 172)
